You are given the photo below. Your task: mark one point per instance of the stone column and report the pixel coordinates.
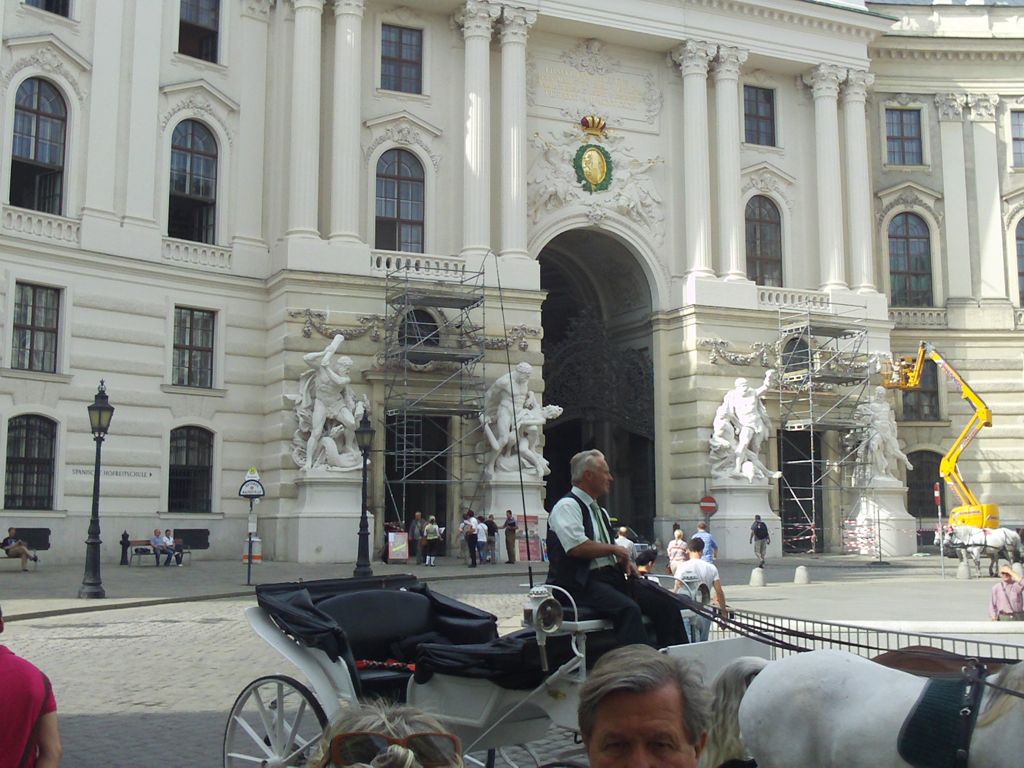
(858, 184)
(727, 121)
(252, 114)
(100, 161)
(986, 193)
(143, 128)
(693, 58)
(515, 26)
(950, 108)
(346, 160)
(476, 19)
(824, 82)
(304, 157)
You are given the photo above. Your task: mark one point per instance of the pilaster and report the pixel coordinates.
(824, 82)
(949, 107)
(304, 158)
(858, 185)
(693, 58)
(515, 26)
(727, 98)
(476, 18)
(346, 167)
(143, 129)
(986, 197)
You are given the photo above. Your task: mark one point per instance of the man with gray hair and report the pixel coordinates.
(585, 561)
(640, 708)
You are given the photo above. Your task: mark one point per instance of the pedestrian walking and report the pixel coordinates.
(676, 549)
(470, 529)
(490, 550)
(698, 571)
(432, 542)
(710, 553)
(509, 526)
(416, 537)
(760, 538)
(29, 736)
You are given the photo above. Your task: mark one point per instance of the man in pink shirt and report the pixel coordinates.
(1007, 602)
(29, 736)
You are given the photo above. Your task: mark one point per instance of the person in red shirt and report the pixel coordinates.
(29, 737)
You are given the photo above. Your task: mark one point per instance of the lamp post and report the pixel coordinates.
(364, 438)
(100, 412)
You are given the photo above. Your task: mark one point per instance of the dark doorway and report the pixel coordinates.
(598, 367)
(416, 467)
(800, 492)
(921, 482)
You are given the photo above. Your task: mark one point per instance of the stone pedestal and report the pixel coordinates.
(325, 526)
(882, 509)
(738, 502)
(504, 492)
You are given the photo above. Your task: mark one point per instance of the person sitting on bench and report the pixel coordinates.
(15, 547)
(174, 546)
(156, 541)
(585, 562)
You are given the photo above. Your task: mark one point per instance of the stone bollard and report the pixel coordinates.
(963, 571)
(757, 577)
(801, 576)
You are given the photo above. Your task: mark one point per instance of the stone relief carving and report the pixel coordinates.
(196, 102)
(52, 60)
(983, 106)
(739, 431)
(315, 320)
(759, 351)
(950, 106)
(551, 184)
(588, 56)
(763, 179)
(327, 413)
(404, 133)
(909, 199)
(513, 420)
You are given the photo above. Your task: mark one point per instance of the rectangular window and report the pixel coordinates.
(903, 137)
(59, 7)
(36, 317)
(198, 25)
(401, 59)
(759, 115)
(1017, 134)
(193, 347)
(922, 404)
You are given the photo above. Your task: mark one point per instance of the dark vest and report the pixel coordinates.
(565, 570)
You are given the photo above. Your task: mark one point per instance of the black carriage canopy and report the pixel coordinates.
(379, 620)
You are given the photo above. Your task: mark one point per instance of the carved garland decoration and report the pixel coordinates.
(760, 351)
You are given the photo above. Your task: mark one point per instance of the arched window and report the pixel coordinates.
(1020, 259)
(921, 487)
(419, 328)
(31, 448)
(37, 155)
(399, 202)
(193, 198)
(796, 362)
(190, 487)
(764, 241)
(910, 261)
(922, 404)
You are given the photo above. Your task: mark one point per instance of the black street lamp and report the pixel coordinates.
(364, 438)
(99, 422)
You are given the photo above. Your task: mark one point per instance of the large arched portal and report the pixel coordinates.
(598, 367)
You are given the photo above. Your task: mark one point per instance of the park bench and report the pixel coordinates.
(188, 538)
(37, 540)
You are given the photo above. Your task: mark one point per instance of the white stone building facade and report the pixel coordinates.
(194, 194)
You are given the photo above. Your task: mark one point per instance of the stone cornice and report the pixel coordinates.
(948, 51)
(871, 26)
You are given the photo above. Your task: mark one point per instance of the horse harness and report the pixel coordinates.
(937, 732)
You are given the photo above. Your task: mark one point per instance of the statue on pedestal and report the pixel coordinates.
(878, 451)
(327, 413)
(513, 420)
(738, 433)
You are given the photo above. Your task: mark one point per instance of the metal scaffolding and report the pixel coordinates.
(433, 353)
(824, 375)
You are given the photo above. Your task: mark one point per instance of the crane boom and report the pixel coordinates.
(905, 374)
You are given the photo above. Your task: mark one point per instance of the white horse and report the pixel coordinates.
(990, 542)
(832, 709)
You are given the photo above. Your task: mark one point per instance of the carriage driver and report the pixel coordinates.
(585, 561)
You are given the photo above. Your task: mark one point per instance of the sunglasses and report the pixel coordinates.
(432, 750)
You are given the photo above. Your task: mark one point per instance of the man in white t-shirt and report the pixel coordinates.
(470, 529)
(705, 574)
(622, 540)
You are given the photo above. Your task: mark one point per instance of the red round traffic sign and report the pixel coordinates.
(938, 494)
(708, 505)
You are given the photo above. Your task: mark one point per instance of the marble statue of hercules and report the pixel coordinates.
(744, 409)
(333, 399)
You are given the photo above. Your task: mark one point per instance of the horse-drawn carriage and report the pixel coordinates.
(396, 637)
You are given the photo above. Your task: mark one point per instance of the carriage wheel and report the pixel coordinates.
(275, 722)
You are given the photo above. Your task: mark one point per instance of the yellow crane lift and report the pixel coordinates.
(905, 374)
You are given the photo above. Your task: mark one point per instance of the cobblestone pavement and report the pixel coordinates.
(152, 685)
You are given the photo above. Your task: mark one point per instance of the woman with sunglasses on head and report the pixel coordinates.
(383, 735)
